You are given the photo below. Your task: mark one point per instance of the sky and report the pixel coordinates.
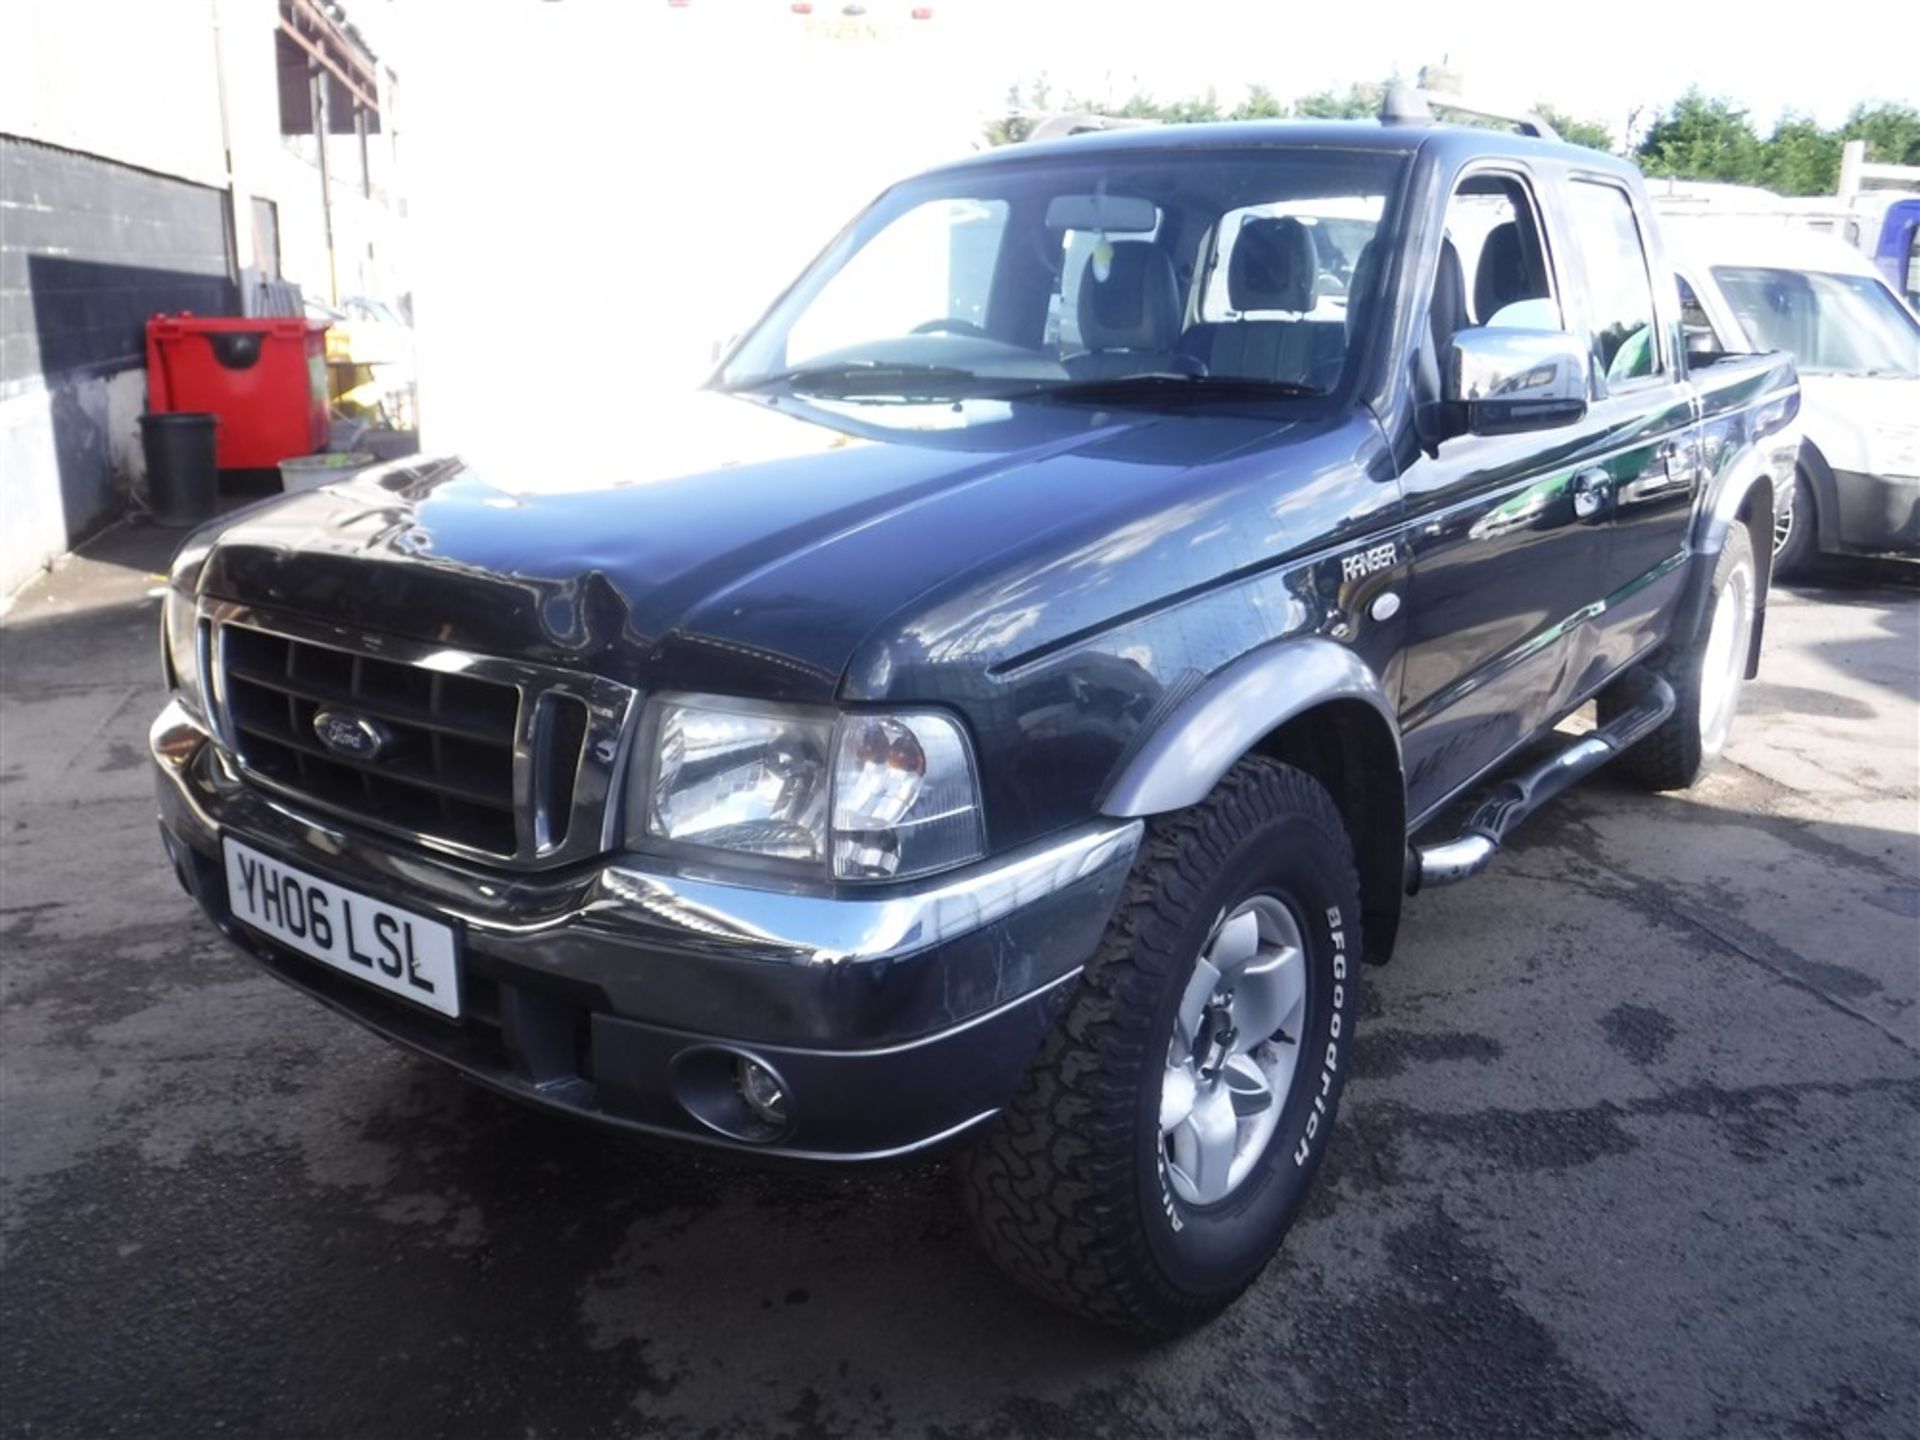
(604, 191)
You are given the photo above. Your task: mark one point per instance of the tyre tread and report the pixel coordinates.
(1052, 1190)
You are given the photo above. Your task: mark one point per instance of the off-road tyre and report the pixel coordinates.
(1069, 1192)
(1687, 745)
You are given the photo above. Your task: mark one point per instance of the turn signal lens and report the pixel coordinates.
(905, 799)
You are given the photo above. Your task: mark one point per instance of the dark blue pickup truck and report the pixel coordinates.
(1012, 718)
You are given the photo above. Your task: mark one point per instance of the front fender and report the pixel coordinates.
(1227, 715)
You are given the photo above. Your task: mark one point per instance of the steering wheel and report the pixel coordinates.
(951, 325)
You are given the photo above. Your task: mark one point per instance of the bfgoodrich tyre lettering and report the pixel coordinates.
(1073, 1194)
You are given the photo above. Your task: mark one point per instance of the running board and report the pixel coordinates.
(1518, 796)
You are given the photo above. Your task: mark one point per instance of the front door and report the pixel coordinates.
(1509, 533)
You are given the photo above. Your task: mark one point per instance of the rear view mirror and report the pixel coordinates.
(1111, 214)
(1508, 381)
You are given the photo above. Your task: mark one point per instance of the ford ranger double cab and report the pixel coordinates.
(1006, 707)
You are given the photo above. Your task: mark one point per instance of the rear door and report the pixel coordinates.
(1650, 464)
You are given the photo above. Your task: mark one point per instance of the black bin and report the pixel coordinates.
(182, 483)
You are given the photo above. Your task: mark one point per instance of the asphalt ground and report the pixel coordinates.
(1632, 1148)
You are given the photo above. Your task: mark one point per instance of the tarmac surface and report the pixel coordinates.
(1633, 1147)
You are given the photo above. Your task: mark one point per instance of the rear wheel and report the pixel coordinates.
(1707, 673)
(1794, 530)
(1170, 1127)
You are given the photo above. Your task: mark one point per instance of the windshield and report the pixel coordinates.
(1833, 324)
(1168, 274)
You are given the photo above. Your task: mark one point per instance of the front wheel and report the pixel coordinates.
(1707, 671)
(1170, 1127)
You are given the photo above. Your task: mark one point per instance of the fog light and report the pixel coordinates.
(762, 1091)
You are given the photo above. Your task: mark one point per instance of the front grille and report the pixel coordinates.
(446, 768)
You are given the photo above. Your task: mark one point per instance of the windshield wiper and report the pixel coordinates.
(862, 378)
(1166, 385)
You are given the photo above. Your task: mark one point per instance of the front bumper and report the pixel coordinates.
(898, 1018)
(1876, 514)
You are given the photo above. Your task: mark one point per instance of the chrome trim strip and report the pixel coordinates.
(612, 709)
(852, 926)
(698, 914)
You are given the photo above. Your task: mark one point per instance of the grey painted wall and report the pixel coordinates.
(89, 249)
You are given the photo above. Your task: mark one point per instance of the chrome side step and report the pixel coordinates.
(1518, 796)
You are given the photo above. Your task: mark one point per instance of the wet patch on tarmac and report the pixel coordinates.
(1382, 1051)
(1639, 1032)
(1448, 1352)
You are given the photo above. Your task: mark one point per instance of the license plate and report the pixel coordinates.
(398, 951)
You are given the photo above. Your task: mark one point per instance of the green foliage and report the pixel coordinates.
(1703, 139)
(1800, 158)
(1892, 132)
(1260, 104)
(1698, 137)
(1590, 133)
(1359, 102)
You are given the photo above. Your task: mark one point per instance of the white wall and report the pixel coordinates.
(133, 80)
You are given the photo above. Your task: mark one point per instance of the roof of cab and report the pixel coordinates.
(1454, 141)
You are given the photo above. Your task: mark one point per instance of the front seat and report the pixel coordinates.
(1130, 320)
(1503, 277)
(1274, 267)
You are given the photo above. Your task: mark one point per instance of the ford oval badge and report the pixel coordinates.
(355, 737)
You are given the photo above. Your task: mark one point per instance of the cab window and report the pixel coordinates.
(1493, 232)
(1621, 312)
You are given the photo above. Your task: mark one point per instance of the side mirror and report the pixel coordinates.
(1503, 381)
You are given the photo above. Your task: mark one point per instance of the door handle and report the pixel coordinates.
(1680, 460)
(1590, 491)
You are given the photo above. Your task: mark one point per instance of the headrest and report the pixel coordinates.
(1273, 266)
(1502, 277)
(1137, 307)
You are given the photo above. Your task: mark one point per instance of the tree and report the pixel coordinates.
(1702, 139)
(1590, 133)
(1260, 104)
(1023, 102)
(1360, 102)
(1892, 132)
(1800, 158)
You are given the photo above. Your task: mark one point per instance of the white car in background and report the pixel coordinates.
(1753, 283)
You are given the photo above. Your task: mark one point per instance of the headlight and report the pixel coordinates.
(875, 797)
(180, 642)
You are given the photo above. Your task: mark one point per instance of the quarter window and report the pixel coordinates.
(1619, 286)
